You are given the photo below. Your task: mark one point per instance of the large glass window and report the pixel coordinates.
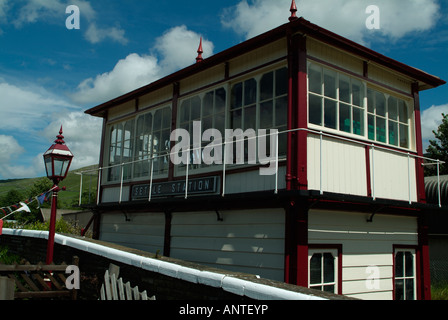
(405, 275)
(261, 103)
(388, 119)
(133, 143)
(335, 100)
(323, 270)
(210, 110)
(120, 150)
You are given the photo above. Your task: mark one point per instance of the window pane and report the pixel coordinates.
(371, 127)
(315, 79)
(393, 108)
(409, 264)
(399, 264)
(380, 104)
(329, 288)
(344, 89)
(184, 113)
(237, 96)
(410, 289)
(316, 268)
(330, 114)
(328, 268)
(250, 92)
(158, 119)
(399, 289)
(236, 119)
(393, 133)
(250, 117)
(380, 129)
(267, 86)
(207, 104)
(358, 121)
(357, 93)
(344, 117)
(315, 109)
(370, 101)
(266, 115)
(403, 111)
(330, 84)
(220, 100)
(220, 121)
(195, 108)
(404, 136)
(281, 82)
(281, 111)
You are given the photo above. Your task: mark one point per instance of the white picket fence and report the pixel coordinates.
(115, 289)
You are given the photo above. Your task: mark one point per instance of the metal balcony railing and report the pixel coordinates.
(373, 148)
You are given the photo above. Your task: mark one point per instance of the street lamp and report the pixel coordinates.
(57, 162)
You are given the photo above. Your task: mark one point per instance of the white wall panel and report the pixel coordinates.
(364, 244)
(250, 241)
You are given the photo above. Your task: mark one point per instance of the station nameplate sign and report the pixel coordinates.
(205, 185)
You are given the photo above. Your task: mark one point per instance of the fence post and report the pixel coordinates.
(7, 288)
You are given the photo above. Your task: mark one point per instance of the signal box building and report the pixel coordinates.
(344, 210)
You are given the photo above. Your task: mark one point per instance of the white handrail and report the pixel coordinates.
(372, 147)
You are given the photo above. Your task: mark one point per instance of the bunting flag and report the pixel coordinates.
(23, 205)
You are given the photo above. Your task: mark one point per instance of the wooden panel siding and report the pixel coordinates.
(259, 57)
(155, 97)
(143, 231)
(250, 181)
(121, 110)
(343, 166)
(364, 244)
(393, 175)
(249, 241)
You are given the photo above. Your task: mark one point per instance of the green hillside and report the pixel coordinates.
(66, 199)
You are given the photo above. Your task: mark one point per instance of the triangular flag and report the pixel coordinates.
(1, 227)
(24, 208)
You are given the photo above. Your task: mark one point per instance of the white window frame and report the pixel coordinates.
(335, 253)
(404, 277)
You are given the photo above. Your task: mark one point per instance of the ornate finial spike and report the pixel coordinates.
(293, 11)
(200, 52)
(60, 137)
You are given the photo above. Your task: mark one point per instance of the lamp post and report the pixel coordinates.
(57, 162)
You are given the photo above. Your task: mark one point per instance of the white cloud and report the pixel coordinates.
(431, 120)
(27, 108)
(95, 34)
(177, 49)
(11, 150)
(38, 10)
(82, 134)
(345, 17)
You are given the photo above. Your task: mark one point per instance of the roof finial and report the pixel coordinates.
(200, 52)
(293, 11)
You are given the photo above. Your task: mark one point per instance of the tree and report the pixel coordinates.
(438, 149)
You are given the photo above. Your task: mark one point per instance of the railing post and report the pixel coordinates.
(80, 191)
(276, 162)
(121, 182)
(409, 178)
(320, 163)
(438, 183)
(99, 186)
(186, 174)
(373, 171)
(224, 170)
(150, 181)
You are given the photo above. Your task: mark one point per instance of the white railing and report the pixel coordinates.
(225, 166)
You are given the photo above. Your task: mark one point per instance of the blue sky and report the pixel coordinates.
(50, 75)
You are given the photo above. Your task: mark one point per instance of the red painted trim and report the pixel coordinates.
(332, 246)
(421, 195)
(302, 115)
(292, 107)
(167, 236)
(368, 174)
(423, 243)
(176, 90)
